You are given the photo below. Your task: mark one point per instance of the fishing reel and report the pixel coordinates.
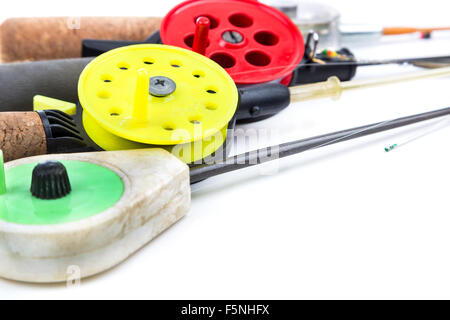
(239, 40)
(233, 33)
(151, 95)
(88, 211)
(255, 43)
(148, 95)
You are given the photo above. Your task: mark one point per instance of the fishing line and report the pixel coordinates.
(436, 127)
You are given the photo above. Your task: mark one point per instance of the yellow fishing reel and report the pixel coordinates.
(149, 95)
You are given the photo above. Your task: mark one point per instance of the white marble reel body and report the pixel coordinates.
(156, 195)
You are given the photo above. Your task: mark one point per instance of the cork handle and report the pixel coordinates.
(60, 37)
(21, 135)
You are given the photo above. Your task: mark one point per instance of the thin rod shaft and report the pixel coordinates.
(364, 63)
(440, 72)
(405, 30)
(333, 87)
(259, 156)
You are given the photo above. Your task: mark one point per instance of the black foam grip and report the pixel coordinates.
(260, 102)
(20, 82)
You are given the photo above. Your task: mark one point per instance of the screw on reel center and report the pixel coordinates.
(161, 86)
(233, 37)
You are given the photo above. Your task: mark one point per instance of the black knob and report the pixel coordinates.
(50, 180)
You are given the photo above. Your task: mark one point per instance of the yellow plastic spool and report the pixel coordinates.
(119, 113)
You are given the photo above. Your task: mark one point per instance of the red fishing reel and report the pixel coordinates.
(255, 43)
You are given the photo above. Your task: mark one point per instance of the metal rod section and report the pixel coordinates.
(259, 156)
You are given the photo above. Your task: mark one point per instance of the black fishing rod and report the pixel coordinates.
(263, 155)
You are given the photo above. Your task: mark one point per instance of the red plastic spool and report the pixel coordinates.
(255, 43)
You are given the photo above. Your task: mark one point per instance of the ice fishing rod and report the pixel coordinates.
(326, 21)
(58, 78)
(93, 210)
(145, 95)
(405, 30)
(333, 87)
(443, 123)
(317, 67)
(323, 60)
(260, 156)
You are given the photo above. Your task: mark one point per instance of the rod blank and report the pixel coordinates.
(260, 156)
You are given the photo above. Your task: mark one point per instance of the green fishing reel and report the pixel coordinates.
(88, 211)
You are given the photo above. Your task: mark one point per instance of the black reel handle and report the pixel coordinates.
(260, 102)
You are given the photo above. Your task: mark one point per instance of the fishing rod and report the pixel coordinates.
(443, 123)
(260, 156)
(156, 104)
(95, 209)
(326, 21)
(333, 87)
(58, 78)
(319, 66)
(405, 30)
(348, 61)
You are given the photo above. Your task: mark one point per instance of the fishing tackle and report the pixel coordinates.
(333, 87)
(154, 95)
(93, 210)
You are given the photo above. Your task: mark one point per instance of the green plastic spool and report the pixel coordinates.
(94, 189)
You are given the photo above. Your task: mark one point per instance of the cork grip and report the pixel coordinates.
(21, 135)
(60, 37)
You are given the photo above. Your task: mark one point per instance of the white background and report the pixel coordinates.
(346, 221)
